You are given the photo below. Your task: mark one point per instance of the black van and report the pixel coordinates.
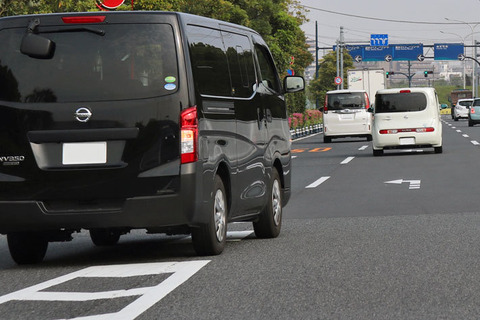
(113, 121)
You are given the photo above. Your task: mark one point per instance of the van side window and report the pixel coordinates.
(240, 62)
(209, 61)
(269, 76)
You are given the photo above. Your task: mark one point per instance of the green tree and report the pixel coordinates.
(326, 74)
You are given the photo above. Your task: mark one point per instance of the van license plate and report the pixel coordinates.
(84, 153)
(348, 116)
(407, 141)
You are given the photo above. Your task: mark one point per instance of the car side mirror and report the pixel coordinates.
(36, 46)
(293, 84)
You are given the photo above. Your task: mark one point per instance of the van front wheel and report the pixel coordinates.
(27, 247)
(270, 220)
(209, 239)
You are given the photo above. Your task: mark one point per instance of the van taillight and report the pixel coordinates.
(367, 101)
(189, 135)
(405, 91)
(84, 19)
(472, 110)
(325, 105)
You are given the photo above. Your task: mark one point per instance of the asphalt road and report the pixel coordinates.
(391, 237)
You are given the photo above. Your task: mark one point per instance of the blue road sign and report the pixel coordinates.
(407, 51)
(379, 40)
(448, 51)
(377, 53)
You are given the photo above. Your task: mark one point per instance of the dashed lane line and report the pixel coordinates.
(317, 183)
(347, 160)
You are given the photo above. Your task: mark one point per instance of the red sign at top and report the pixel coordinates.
(109, 4)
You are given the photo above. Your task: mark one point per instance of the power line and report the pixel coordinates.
(387, 20)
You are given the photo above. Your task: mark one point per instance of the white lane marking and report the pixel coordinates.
(475, 143)
(465, 135)
(148, 296)
(454, 127)
(347, 160)
(459, 130)
(362, 148)
(318, 182)
(293, 157)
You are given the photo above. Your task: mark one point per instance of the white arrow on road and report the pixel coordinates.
(413, 184)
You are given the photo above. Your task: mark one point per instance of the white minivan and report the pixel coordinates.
(406, 118)
(345, 115)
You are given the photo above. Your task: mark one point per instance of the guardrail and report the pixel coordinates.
(298, 133)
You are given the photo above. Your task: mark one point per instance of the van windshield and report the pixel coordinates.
(400, 102)
(131, 61)
(346, 100)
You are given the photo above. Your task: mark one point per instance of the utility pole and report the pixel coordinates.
(338, 62)
(341, 56)
(316, 50)
(474, 91)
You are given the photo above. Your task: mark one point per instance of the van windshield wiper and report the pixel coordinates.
(100, 32)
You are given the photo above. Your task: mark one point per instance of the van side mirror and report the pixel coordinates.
(293, 84)
(36, 46)
(370, 110)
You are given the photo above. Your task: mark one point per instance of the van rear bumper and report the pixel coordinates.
(393, 141)
(168, 210)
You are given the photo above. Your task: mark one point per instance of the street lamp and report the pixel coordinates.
(474, 51)
(464, 71)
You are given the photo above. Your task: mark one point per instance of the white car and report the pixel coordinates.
(461, 109)
(406, 118)
(345, 115)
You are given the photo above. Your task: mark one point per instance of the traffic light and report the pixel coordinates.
(426, 73)
(389, 73)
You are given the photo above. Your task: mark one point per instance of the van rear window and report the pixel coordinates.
(400, 102)
(346, 100)
(131, 61)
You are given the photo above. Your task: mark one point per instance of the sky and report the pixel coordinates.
(369, 12)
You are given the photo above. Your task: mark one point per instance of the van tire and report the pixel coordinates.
(27, 247)
(269, 223)
(377, 153)
(104, 237)
(210, 239)
(438, 149)
(369, 137)
(327, 139)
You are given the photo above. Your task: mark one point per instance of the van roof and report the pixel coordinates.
(426, 90)
(185, 17)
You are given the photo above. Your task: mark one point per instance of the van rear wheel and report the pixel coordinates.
(27, 247)
(438, 149)
(210, 239)
(270, 220)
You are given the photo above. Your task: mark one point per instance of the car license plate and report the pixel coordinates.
(407, 141)
(84, 153)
